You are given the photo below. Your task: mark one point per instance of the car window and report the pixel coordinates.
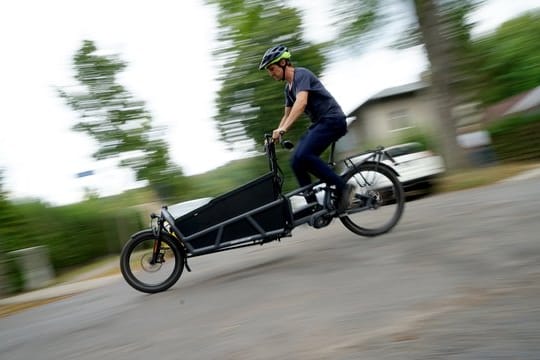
(405, 149)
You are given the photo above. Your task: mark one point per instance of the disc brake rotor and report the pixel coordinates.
(148, 266)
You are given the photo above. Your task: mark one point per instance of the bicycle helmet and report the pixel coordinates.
(273, 55)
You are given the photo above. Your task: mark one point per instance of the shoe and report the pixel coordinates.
(346, 198)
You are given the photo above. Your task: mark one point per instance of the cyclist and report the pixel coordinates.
(304, 93)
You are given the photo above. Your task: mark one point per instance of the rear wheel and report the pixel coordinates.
(141, 272)
(379, 200)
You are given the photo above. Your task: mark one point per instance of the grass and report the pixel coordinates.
(10, 309)
(471, 178)
(99, 268)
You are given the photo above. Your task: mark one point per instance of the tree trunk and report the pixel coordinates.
(438, 45)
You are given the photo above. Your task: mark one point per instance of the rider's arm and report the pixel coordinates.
(277, 132)
(292, 114)
(285, 115)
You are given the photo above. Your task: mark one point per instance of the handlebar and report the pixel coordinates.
(270, 150)
(286, 144)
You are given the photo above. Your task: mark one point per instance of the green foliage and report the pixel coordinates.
(516, 138)
(11, 275)
(121, 125)
(11, 221)
(419, 136)
(3, 193)
(359, 22)
(506, 61)
(249, 102)
(237, 173)
(73, 234)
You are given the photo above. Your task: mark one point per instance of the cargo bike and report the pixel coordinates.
(259, 212)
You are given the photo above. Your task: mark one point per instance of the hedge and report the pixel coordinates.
(516, 138)
(73, 234)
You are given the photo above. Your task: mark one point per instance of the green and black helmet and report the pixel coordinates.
(273, 55)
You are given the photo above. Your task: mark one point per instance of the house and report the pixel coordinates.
(386, 116)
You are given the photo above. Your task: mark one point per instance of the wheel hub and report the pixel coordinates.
(375, 199)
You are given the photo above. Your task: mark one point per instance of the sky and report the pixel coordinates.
(167, 45)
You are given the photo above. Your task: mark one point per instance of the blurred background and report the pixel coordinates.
(112, 109)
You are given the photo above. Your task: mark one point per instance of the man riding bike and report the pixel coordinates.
(304, 93)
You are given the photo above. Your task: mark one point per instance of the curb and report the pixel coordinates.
(526, 175)
(60, 290)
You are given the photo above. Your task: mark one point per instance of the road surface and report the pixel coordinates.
(459, 278)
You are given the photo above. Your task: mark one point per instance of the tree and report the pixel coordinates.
(121, 126)
(439, 41)
(507, 60)
(3, 193)
(249, 103)
(9, 218)
(442, 29)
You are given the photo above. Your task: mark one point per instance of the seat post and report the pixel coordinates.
(331, 155)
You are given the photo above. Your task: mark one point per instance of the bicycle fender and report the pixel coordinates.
(374, 163)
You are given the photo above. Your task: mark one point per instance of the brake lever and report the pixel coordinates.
(286, 144)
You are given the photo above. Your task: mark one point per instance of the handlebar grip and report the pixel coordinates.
(287, 144)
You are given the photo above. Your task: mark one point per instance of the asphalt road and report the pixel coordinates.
(458, 278)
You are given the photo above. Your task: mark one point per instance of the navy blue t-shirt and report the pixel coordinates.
(320, 103)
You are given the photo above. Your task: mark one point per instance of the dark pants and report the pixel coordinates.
(306, 158)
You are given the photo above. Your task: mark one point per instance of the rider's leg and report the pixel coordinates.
(306, 158)
(302, 174)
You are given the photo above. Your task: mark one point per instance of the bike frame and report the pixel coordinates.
(373, 156)
(254, 224)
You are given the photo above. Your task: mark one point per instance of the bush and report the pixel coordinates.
(417, 135)
(73, 234)
(237, 173)
(11, 277)
(516, 138)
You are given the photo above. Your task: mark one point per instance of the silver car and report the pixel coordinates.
(418, 168)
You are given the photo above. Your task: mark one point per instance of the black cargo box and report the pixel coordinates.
(217, 213)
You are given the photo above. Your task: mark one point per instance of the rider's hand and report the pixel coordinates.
(277, 133)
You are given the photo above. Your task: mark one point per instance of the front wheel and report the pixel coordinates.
(379, 200)
(139, 268)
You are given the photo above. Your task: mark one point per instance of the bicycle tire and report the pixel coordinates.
(379, 196)
(134, 262)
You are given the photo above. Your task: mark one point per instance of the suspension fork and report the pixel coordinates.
(157, 226)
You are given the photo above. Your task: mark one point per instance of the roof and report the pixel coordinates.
(521, 102)
(529, 101)
(398, 90)
(392, 92)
